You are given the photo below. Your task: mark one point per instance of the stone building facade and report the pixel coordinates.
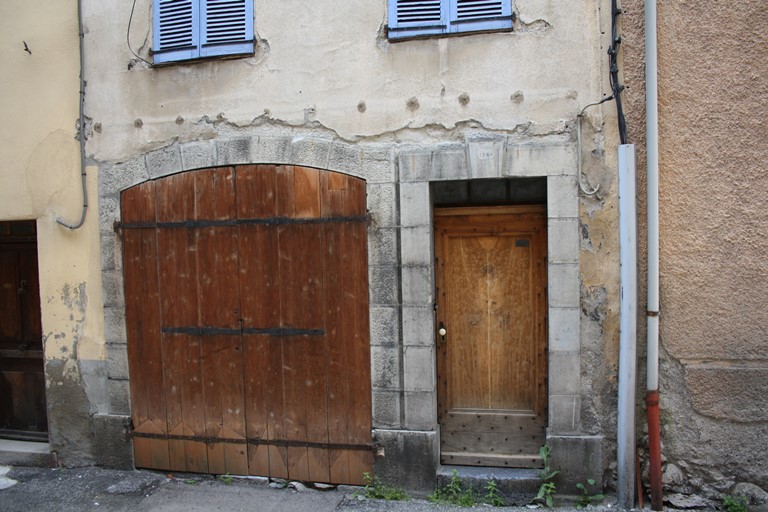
(496, 117)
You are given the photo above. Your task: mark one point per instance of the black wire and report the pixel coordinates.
(616, 87)
(128, 35)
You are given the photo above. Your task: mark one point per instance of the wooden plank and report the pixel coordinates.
(355, 306)
(306, 192)
(184, 395)
(285, 186)
(485, 459)
(301, 292)
(260, 308)
(181, 353)
(143, 319)
(495, 443)
(222, 371)
(256, 191)
(218, 305)
(336, 333)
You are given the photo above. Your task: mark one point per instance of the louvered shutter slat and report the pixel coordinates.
(174, 24)
(175, 30)
(468, 9)
(227, 27)
(477, 15)
(410, 18)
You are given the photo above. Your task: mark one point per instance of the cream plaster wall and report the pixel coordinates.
(316, 62)
(40, 177)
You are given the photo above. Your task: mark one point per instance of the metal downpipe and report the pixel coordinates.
(652, 178)
(81, 127)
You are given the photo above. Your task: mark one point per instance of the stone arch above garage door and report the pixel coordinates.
(246, 299)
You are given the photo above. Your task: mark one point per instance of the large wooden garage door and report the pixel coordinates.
(247, 318)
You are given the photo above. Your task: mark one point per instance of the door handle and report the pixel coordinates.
(22, 287)
(442, 332)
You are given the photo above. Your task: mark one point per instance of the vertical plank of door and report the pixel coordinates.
(143, 322)
(465, 277)
(300, 286)
(183, 386)
(540, 278)
(337, 327)
(511, 363)
(306, 192)
(307, 199)
(355, 307)
(336, 332)
(355, 304)
(260, 308)
(10, 315)
(219, 306)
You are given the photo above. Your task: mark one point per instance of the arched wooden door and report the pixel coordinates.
(246, 296)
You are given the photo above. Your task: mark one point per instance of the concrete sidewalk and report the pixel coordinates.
(97, 489)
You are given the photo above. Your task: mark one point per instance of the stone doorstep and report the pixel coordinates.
(518, 485)
(25, 453)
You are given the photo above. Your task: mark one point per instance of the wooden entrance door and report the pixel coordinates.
(492, 361)
(22, 381)
(247, 319)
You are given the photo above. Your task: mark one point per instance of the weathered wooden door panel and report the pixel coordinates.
(263, 301)
(22, 381)
(492, 361)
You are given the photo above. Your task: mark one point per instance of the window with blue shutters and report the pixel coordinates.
(415, 18)
(193, 29)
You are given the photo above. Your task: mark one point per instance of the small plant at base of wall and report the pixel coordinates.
(546, 494)
(375, 489)
(585, 498)
(735, 504)
(453, 493)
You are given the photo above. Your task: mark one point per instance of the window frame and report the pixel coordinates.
(198, 47)
(449, 23)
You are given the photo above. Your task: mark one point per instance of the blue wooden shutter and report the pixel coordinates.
(410, 18)
(175, 30)
(226, 27)
(473, 15)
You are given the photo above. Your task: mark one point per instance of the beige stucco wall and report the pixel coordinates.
(713, 236)
(316, 62)
(40, 178)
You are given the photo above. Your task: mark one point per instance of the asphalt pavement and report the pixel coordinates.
(25, 489)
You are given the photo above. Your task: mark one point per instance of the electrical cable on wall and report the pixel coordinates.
(613, 52)
(128, 36)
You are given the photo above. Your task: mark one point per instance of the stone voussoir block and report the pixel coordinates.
(199, 154)
(234, 151)
(121, 176)
(311, 151)
(164, 161)
(272, 150)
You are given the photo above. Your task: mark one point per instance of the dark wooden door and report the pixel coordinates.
(492, 361)
(22, 381)
(247, 311)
